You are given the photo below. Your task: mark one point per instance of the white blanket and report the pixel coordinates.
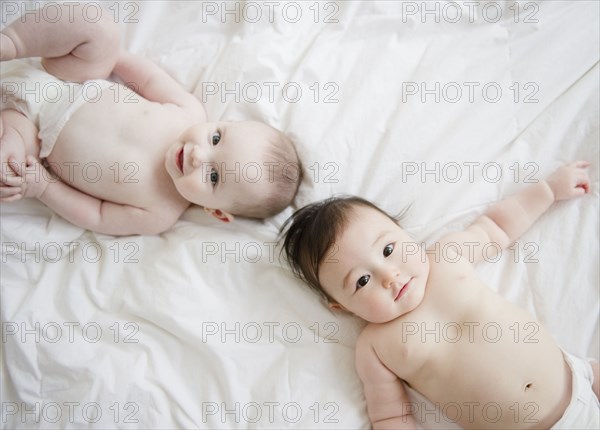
(445, 107)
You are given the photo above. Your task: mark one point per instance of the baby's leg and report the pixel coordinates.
(18, 138)
(74, 47)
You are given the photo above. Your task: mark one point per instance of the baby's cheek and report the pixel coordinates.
(416, 259)
(375, 309)
(188, 188)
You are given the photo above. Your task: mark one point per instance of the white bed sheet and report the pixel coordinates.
(202, 326)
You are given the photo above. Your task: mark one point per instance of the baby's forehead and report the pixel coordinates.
(251, 186)
(250, 129)
(368, 215)
(249, 182)
(361, 225)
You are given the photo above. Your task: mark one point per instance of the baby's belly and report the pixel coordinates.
(511, 388)
(115, 151)
(495, 370)
(95, 170)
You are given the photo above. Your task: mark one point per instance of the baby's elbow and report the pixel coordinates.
(134, 221)
(154, 230)
(493, 228)
(405, 421)
(153, 226)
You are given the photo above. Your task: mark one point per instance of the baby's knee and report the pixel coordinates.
(8, 50)
(81, 49)
(94, 58)
(103, 47)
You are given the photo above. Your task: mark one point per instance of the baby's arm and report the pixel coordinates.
(153, 83)
(388, 403)
(508, 219)
(82, 209)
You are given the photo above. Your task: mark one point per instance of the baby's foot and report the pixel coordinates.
(8, 51)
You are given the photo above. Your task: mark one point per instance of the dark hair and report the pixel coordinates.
(286, 177)
(311, 233)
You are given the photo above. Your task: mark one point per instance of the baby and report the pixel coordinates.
(123, 159)
(363, 262)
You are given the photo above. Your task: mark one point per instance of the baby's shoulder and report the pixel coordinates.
(448, 256)
(160, 221)
(392, 346)
(164, 210)
(374, 336)
(366, 348)
(168, 208)
(367, 336)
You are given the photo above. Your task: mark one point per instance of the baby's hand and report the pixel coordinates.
(569, 181)
(29, 180)
(10, 183)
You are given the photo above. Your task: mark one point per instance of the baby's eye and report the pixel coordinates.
(216, 138)
(362, 281)
(387, 251)
(214, 177)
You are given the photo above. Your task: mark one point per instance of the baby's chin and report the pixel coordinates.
(383, 317)
(169, 163)
(168, 168)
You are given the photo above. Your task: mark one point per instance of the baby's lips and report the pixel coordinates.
(179, 159)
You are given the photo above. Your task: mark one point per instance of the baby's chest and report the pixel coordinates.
(102, 159)
(114, 162)
(121, 127)
(453, 308)
(405, 345)
(119, 137)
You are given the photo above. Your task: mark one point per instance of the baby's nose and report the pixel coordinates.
(196, 155)
(389, 279)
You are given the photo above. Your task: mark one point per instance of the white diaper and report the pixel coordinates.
(583, 411)
(48, 101)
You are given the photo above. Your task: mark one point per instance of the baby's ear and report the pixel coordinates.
(219, 214)
(336, 306)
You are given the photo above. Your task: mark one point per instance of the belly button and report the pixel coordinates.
(527, 386)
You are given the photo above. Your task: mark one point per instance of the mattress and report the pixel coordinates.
(438, 107)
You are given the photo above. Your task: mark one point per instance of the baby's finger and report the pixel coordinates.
(6, 188)
(9, 191)
(4, 177)
(12, 181)
(579, 190)
(31, 161)
(12, 163)
(11, 198)
(584, 184)
(582, 164)
(7, 172)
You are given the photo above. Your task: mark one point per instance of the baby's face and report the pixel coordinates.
(374, 269)
(217, 164)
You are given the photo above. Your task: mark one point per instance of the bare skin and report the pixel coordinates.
(436, 326)
(132, 160)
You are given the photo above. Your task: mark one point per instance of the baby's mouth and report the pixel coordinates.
(179, 160)
(403, 290)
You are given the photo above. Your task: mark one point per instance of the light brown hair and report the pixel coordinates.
(283, 168)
